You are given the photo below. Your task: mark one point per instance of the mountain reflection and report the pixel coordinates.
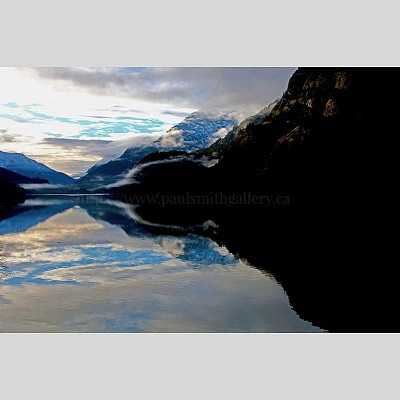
(30, 214)
(86, 264)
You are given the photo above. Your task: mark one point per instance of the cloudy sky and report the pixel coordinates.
(72, 118)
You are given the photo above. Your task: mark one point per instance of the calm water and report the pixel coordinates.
(71, 264)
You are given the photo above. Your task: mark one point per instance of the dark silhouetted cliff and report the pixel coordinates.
(328, 146)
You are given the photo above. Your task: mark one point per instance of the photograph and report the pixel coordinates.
(155, 199)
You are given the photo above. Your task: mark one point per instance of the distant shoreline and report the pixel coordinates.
(67, 194)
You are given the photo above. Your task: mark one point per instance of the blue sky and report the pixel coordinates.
(91, 126)
(72, 118)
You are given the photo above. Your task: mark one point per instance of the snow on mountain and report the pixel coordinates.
(196, 131)
(23, 165)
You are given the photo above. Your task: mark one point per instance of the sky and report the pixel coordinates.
(71, 118)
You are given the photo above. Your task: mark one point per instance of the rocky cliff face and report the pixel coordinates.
(215, 149)
(328, 121)
(329, 144)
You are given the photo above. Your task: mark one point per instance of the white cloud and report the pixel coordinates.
(173, 138)
(219, 134)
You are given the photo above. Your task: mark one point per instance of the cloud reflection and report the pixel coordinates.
(73, 272)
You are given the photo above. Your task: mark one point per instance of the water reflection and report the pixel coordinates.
(86, 264)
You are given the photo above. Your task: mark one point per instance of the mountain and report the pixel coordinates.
(18, 178)
(328, 149)
(324, 137)
(21, 164)
(322, 132)
(196, 131)
(205, 157)
(213, 149)
(153, 172)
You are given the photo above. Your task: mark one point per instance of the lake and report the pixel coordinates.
(89, 264)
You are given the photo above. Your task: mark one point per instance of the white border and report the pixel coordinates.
(200, 366)
(207, 33)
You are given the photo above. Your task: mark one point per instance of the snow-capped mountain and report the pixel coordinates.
(196, 131)
(21, 164)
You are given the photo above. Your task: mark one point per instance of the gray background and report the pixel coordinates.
(207, 33)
